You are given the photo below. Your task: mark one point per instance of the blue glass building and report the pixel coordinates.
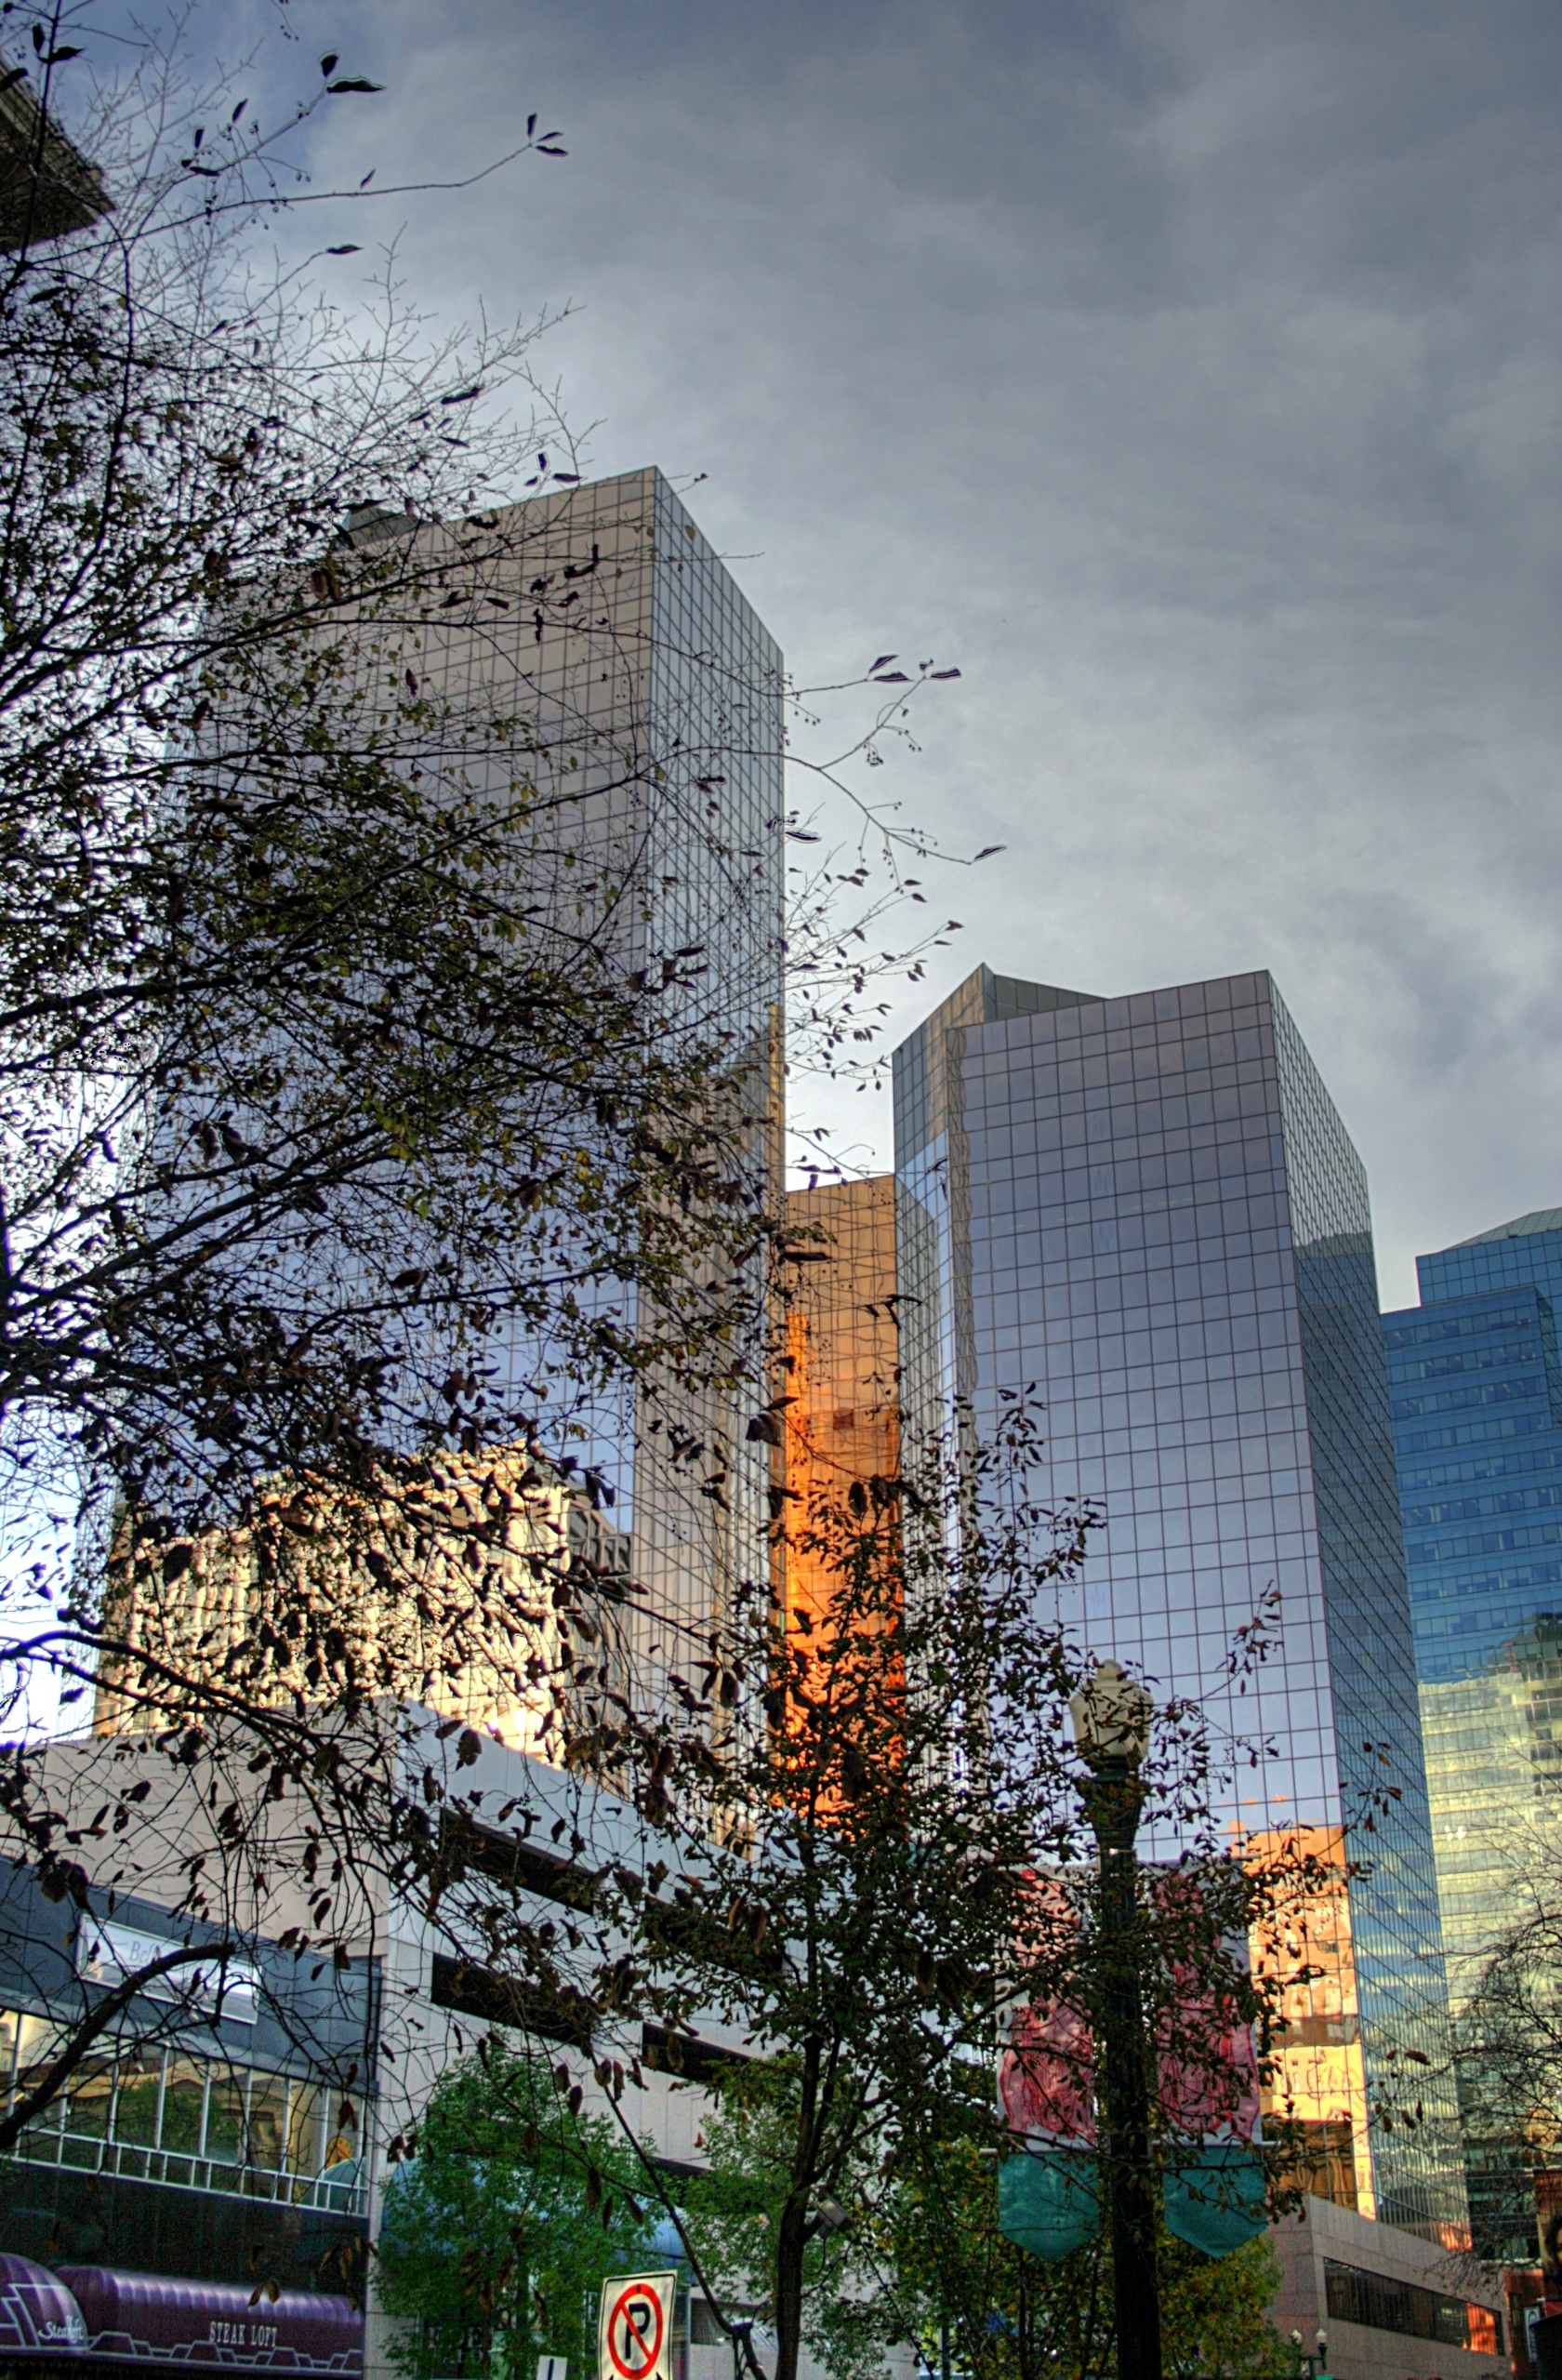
(1477, 1418)
(1150, 1208)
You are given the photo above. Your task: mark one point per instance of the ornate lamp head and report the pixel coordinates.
(1112, 1719)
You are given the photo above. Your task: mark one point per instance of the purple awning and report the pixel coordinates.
(210, 2325)
(38, 2314)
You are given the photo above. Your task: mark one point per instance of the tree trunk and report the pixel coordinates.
(791, 2240)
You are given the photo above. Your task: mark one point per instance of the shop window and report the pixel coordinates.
(184, 2098)
(140, 2088)
(225, 2118)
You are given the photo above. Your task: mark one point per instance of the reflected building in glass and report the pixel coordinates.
(1150, 1208)
(1477, 1418)
(841, 1360)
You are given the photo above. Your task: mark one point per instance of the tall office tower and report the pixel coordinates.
(661, 692)
(594, 667)
(1477, 1419)
(842, 1353)
(1150, 1208)
(651, 699)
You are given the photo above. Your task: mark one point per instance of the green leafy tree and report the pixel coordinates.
(501, 2229)
(924, 2260)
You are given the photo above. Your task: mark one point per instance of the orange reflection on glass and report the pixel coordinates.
(1318, 2081)
(843, 1360)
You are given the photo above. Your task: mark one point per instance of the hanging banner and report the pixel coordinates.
(1207, 2100)
(1048, 2193)
(634, 2326)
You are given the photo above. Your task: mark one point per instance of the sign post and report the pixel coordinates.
(634, 2326)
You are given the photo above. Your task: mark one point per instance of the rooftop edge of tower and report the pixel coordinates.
(1543, 1219)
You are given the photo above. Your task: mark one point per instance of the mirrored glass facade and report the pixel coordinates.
(653, 697)
(1477, 1418)
(1150, 1208)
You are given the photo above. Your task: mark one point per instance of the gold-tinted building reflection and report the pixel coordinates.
(842, 1357)
(1318, 2084)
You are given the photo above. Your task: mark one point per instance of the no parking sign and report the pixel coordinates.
(634, 2328)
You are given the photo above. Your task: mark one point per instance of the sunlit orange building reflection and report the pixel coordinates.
(841, 1360)
(1318, 2081)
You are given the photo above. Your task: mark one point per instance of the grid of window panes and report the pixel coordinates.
(717, 729)
(1478, 1415)
(161, 2114)
(1396, 1915)
(653, 701)
(1124, 1165)
(933, 1237)
(1527, 1252)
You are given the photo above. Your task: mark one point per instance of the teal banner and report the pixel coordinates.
(1217, 2199)
(1050, 2200)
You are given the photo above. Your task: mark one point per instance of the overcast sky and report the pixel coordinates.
(1188, 374)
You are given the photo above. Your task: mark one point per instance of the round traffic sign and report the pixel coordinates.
(634, 2331)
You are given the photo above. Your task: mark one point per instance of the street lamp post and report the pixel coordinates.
(1112, 1729)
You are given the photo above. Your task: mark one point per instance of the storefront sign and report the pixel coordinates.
(211, 2325)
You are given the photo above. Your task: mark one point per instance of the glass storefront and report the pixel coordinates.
(200, 2123)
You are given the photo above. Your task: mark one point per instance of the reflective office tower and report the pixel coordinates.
(649, 698)
(595, 665)
(661, 692)
(1477, 1419)
(1150, 1208)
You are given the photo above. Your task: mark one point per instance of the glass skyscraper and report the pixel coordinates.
(1150, 1208)
(652, 695)
(595, 667)
(1477, 1419)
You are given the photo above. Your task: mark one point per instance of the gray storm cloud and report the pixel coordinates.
(1188, 374)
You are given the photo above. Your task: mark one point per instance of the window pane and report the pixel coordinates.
(38, 2040)
(267, 2120)
(136, 2109)
(182, 2098)
(341, 2147)
(225, 2114)
(306, 2130)
(90, 2089)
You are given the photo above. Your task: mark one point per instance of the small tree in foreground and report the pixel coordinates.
(926, 2263)
(499, 2231)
